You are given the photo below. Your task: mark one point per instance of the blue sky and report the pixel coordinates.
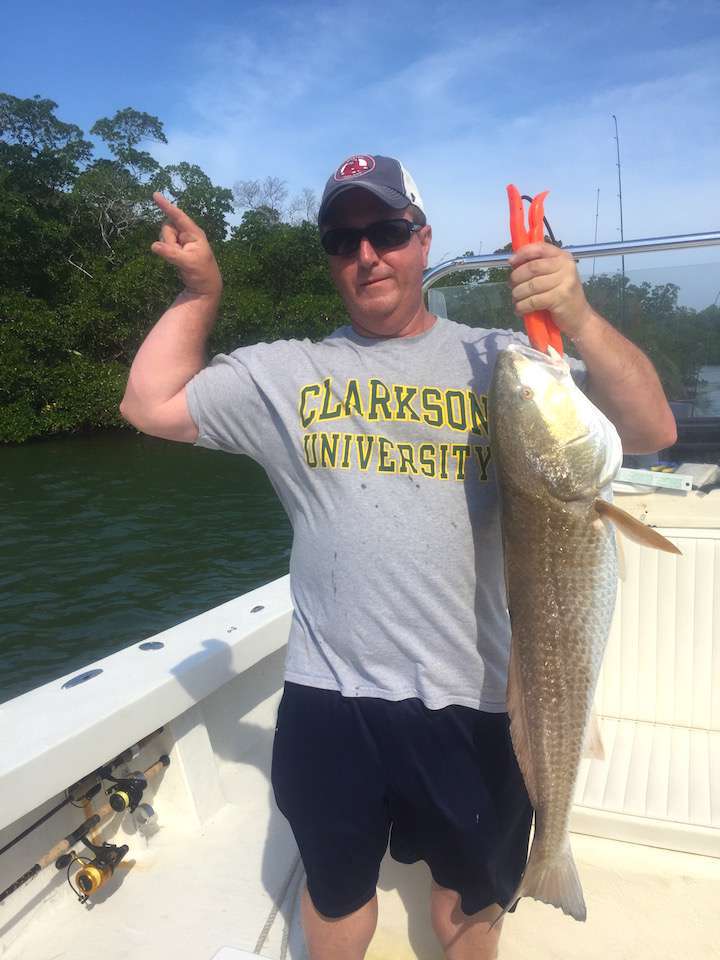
(470, 96)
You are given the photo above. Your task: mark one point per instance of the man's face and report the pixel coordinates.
(381, 289)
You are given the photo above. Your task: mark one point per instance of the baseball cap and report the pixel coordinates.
(386, 177)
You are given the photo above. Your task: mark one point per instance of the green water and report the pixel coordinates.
(108, 538)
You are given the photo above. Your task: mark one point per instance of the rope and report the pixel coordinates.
(294, 899)
(276, 907)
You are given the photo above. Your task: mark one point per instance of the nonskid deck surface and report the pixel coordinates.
(188, 893)
(182, 894)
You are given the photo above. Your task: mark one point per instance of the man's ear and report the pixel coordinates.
(426, 241)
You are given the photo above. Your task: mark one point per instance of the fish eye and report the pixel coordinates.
(526, 393)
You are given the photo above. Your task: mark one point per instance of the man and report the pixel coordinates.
(392, 720)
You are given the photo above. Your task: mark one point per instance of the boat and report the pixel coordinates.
(137, 815)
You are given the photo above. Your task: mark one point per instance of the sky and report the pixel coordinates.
(469, 96)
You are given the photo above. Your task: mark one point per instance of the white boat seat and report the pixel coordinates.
(658, 704)
(659, 784)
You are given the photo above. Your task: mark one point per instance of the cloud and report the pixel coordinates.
(670, 152)
(468, 106)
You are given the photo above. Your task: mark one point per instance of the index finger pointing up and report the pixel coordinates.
(175, 215)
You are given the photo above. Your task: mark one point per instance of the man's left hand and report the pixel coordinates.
(544, 277)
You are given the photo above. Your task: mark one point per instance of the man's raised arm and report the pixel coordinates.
(174, 350)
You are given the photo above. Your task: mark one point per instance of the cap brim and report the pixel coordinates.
(393, 198)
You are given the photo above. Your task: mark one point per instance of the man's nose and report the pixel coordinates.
(367, 255)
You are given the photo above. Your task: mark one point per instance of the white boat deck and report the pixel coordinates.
(193, 889)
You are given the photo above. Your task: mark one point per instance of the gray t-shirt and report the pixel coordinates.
(379, 452)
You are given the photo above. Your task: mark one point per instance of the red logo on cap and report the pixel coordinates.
(355, 166)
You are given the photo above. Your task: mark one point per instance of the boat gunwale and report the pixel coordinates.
(137, 692)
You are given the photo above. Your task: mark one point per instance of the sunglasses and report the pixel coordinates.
(383, 235)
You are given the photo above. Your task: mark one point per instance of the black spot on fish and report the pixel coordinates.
(364, 486)
(417, 485)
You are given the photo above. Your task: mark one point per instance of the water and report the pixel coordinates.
(108, 538)
(709, 400)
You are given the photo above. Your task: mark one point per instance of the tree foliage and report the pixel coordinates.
(39, 154)
(272, 194)
(123, 132)
(193, 191)
(80, 290)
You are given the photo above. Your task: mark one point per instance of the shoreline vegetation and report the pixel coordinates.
(80, 289)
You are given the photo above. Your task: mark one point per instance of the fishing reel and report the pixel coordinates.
(126, 792)
(94, 873)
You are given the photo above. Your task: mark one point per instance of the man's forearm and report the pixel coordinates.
(624, 384)
(171, 354)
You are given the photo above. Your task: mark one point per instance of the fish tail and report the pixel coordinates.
(555, 882)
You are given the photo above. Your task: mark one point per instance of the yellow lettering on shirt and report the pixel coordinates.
(455, 410)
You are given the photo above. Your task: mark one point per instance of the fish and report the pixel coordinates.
(555, 455)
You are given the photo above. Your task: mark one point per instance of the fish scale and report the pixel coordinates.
(560, 622)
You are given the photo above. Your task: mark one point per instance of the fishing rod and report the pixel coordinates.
(125, 793)
(86, 788)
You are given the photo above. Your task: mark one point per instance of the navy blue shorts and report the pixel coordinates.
(444, 785)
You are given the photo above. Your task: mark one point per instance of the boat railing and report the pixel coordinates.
(688, 241)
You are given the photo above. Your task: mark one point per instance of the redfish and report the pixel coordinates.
(555, 456)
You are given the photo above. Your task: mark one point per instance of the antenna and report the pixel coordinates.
(622, 235)
(597, 210)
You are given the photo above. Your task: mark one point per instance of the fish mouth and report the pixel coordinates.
(576, 440)
(552, 361)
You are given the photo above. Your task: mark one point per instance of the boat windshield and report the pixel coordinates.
(667, 302)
